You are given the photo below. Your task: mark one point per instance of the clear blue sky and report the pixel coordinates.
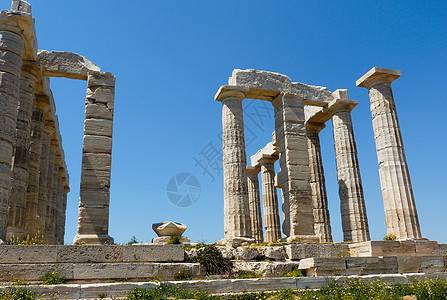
(170, 57)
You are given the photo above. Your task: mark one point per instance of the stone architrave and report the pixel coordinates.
(398, 199)
(237, 224)
(93, 217)
(254, 201)
(317, 181)
(294, 162)
(352, 201)
(19, 171)
(40, 109)
(272, 224)
(11, 52)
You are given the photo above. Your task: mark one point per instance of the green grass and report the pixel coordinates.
(352, 290)
(295, 272)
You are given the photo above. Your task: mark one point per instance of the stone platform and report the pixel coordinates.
(119, 290)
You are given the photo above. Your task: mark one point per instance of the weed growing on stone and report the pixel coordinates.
(390, 237)
(174, 239)
(247, 274)
(295, 272)
(211, 258)
(133, 240)
(53, 278)
(28, 241)
(16, 294)
(183, 275)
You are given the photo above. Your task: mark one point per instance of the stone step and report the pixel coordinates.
(114, 290)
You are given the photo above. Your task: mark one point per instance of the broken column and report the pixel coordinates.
(270, 200)
(294, 161)
(322, 224)
(254, 202)
(352, 201)
(11, 51)
(400, 208)
(19, 171)
(93, 217)
(237, 224)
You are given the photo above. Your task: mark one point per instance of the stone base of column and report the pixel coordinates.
(235, 241)
(303, 239)
(93, 239)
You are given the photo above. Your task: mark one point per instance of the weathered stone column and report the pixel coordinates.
(270, 200)
(352, 201)
(40, 108)
(317, 181)
(254, 201)
(62, 215)
(93, 217)
(19, 171)
(398, 199)
(52, 188)
(11, 51)
(237, 224)
(45, 177)
(294, 161)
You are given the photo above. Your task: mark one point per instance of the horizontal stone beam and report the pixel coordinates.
(269, 151)
(323, 114)
(65, 64)
(263, 85)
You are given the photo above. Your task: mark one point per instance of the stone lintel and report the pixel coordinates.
(377, 75)
(21, 23)
(270, 151)
(65, 64)
(315, 127)
(341, 102)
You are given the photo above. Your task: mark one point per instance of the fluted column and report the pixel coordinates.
(11, 51)
(19, 171)
(53, 168)
(45, 178)
(62, 214)
(270, 200)
(352, 201)
(254, 201)
(94, 200)
(317, 181)
(40, 108)
(398, 199)
(294, 161)
(237, 224)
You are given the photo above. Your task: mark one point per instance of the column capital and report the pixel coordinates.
(341, 102)
(31, 68)
(253, 170)
(49, 126)
(378, 76)
(315, 127)
(42, 102)
(230, 91)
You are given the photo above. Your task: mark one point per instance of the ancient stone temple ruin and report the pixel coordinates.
(301, 112)
(34, 177)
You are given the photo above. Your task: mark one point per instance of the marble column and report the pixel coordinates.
(19, 171)
(93, 217)
(317, 181)
(352, 201)
(11, 51)
(398, 199)
(295, 174)
(53, 168)
(40, 109)
(237, 224)
(254, 202)
(62, 214)
(270, 200)
(45, 177)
